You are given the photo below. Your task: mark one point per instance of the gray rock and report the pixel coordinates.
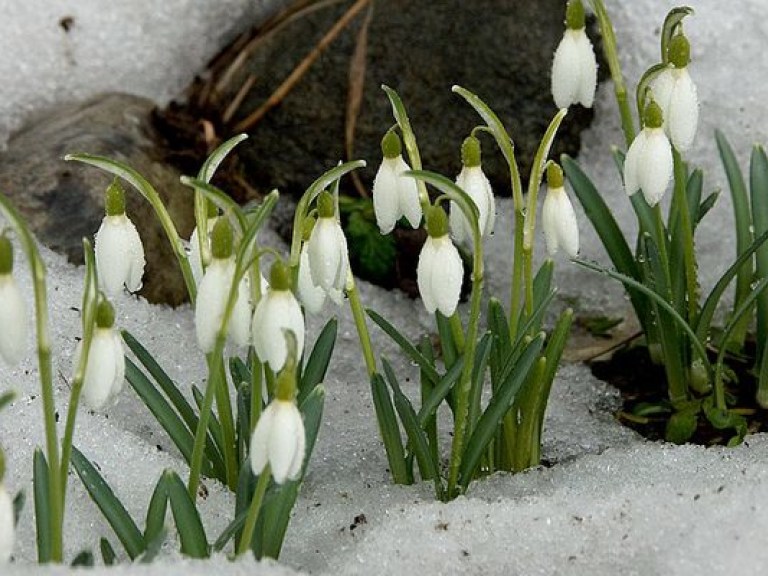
(501, 50)
(64, 201)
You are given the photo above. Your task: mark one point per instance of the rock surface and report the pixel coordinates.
(63, 201)
(500, 50)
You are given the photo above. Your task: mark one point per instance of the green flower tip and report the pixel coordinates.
(6, 255)
(437, 221)
(679, 51)
(653, 116)
(211, 209)
(554, 175)
(325, 205)
(105, 313)
(470, 152)
(114, 199)
(306, 228)
(279, 276)
(221, 239)
(390, 145)
(286, 380)
(574, 15)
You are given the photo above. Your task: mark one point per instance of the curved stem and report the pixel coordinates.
(362, 328)
(253, 511)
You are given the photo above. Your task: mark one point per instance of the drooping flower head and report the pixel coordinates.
(105, 371)
(439, 272)
(278, 310)
(394, 195)
(648, 165)
(327, 248)
(119, 253)
(675, 94)
(13, 310)
(213, 293)
(311, 296)
(574, 68)
(279, 438)
(558, 218)
(473, 181)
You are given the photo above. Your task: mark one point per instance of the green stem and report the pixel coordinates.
(526, 449)
(689, 256)
(253, 511)
(362, 328)
(612, 57)
(256, 390)
(226, 420)
(457, 331)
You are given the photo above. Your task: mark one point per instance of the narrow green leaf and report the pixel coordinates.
(693, 190)
(229, 532)
(219, 197)
(499, 327)
(440, 391)
(214, 426)
(83, 559)
(211, 164)
(319, 359)
(113, 510)
(158, 506)
(107, 552)
(448, 346)
(390, 431)
(153, 547)
(482, 355)
(408, 349)
(188, 524)
(758, 183)
(417, 439)
(497, 408)
(707, 204)
(40, 477)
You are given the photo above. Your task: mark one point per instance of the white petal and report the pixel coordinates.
(260, 439)
(565, 71)
(655, 166)
(211, 301)
(239, 330)
(105, 370)
(13, 320)
(386, 197)
(631, 161)
(7, 525)
(276, 311)
(587, 84)
(328, 258)
(408, 194)
(311, 296)
(119, 255)
(439, 275)
(683, 111)
(559, 216)
(285, 444)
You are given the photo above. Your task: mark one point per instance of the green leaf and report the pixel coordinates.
(211, 164)
(706, 205)
(417, 439)
(158, 506)
(107, 552)
(494, 413)
(681, 426)
(482, 355)
(441, 390)
(409, 349)
(219, 197)
(448, 346)
(319, 359)
(371, 254)
(83, 559)
(759, 195)
(390, 431)
(188, 524)
(40, 477)
(113, 510)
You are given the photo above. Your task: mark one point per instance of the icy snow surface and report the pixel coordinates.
(610, 504)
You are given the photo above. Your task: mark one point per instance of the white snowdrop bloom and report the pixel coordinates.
(648, 165)
(327, 248)
(574, 68)
(119, 253)
(279, 440)
(394, 195)
(439, 272)
(311, 296)
(473, 181)
(558, 218)
(13, 310)
(277, 310)
(675, 92)
(211, 302)
(105, 371)
(7, 525)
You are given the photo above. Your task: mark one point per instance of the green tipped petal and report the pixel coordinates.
(554, 175)
(437, 222)
(574, 15)
(221, 239)
(105, 313)
(679, 51)
(6, 255)
(391, 146)
(470, 152)
(279, 276)
(114, 199)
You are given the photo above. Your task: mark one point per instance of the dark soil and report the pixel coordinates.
(643, 386)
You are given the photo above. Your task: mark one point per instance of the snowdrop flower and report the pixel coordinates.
(119, 253)
(473, 181)
(675, 93)
(312, 297)
(213, 293)
(648, 165)
(105, 371)
(198, 260)
(394, 195)
(558, 218)
(440, 271)
(327, 248)
(279, 440)
(277, 310)
(13, 311)
(7, 523)
(574, 68)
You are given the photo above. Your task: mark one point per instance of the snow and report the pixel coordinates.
(609, 503)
